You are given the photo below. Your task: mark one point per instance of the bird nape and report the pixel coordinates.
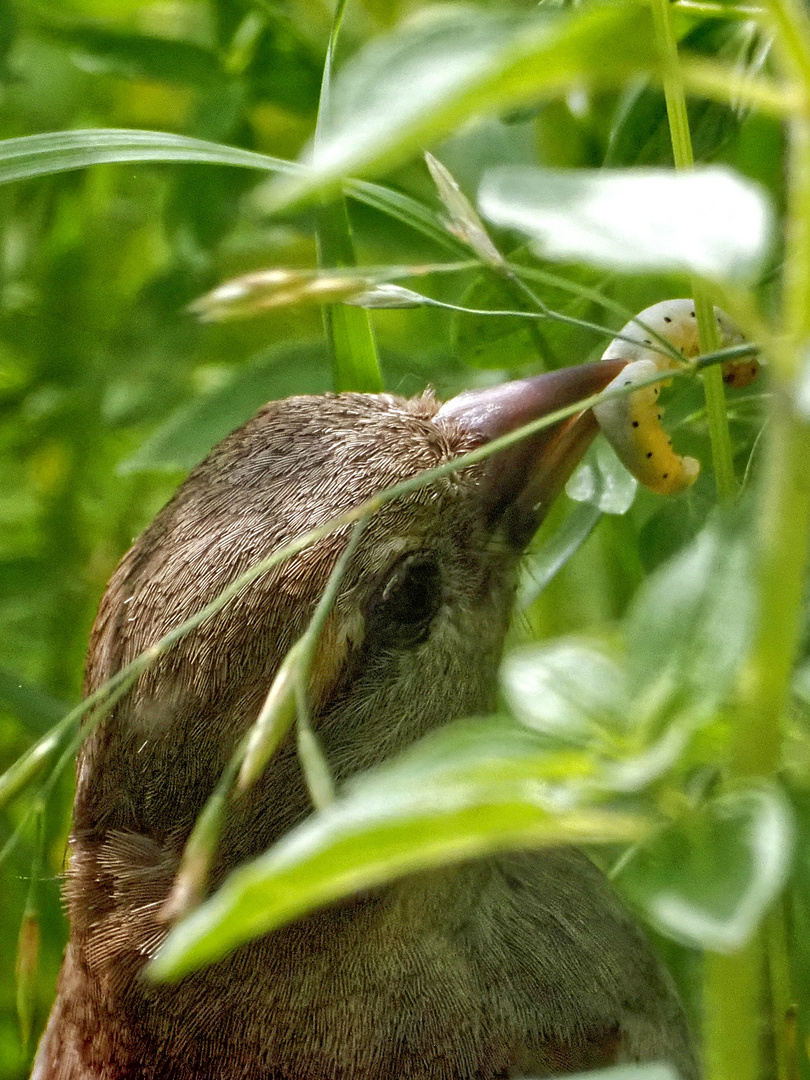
(513, 965)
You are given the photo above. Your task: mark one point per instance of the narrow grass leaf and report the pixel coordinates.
(354, 353)
(60, 151)
(464, 221)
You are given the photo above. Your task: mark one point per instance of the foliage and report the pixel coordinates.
(155, 150)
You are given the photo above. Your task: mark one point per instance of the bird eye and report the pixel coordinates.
(404, 608)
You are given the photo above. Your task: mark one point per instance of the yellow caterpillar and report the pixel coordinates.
(632, 424)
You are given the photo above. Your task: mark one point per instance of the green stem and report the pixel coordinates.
(732, 985)
(784, 493)
(675, 95)
(792, 24)
(731, 1014)
(348, 329)
(783, 1019)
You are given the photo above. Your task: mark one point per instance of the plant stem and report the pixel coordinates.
(348, 329)
(732, 985)
(731, 1014)
(677, 115)
(781, 995)
(784, 493)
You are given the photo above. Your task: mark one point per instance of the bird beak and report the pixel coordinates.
(521, 482)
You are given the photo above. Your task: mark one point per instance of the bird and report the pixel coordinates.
(518, 964)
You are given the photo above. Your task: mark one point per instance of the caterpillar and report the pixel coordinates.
(632, 424)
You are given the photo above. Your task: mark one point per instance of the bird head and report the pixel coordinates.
(415, 635)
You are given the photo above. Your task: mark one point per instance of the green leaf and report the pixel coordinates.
(406, 209)
(60, 151)
(457, 63)
(707, 221)
(187, 436)
(506, 342)
(603, 481)
(491, 749)
(354, 355)
(708, 880)
(567, 689)
(689, 626)
(445, 802)
(676, 524)
(641, 134)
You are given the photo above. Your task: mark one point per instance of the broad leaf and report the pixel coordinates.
(567, 689)
(461, 794)
(708, 880)
(706, 221)
(456, 63)
(689, 627)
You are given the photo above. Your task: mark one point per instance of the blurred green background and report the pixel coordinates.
(110, 390)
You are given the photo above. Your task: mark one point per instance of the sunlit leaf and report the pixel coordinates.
(375, 834)
(707, 221)
(567, 688)
(455, 63)
(708, 880)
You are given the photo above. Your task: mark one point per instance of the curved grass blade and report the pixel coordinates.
(61, 151)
